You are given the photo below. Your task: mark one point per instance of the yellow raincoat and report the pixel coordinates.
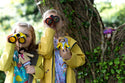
(7, 64)
(46, 49)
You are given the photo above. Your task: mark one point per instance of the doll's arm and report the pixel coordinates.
(6, 59)
(46, 45)
(28, 54)
(20, 59)
(58, 45)
(67, 45)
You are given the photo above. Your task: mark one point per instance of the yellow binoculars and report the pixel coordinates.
(17, 36)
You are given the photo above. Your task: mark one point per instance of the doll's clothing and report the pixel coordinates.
(60, 66)
(23, 58)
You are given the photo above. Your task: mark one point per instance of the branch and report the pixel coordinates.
(117, 33)
(38, 3)
(90, 37)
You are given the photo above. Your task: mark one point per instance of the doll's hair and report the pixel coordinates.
(32, 45)
(61, 38)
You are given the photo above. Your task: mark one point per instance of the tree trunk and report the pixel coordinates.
(83, 24)
(83, 21)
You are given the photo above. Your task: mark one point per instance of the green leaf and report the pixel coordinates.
(123, 72)
(120, 81)
(87, 52)
(79, 77)
(118, 71)
(116, 61)
(112, 71)
(118, 77)
(85, 74)
(103, 71)
(95, 81)
(98, 47)
(123, 57)
(95, 51)
(106, 77)
(87, 81)
(110, 63)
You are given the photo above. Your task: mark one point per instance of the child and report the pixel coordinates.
(58, 63)
(9, 61)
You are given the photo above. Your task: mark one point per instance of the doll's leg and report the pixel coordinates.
(27, 63)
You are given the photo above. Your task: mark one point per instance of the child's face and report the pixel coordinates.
(28, 38)
(60, 24)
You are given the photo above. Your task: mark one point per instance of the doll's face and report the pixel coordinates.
(62, 40)
(59, 24)
(28, 38)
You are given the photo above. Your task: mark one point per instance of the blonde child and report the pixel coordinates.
(9, 62)
(59, 64)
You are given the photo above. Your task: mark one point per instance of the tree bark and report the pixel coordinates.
(83, 21)
(92, 1)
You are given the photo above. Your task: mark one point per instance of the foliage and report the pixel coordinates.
(112, 15)
(2, 77)
(112, 67)
(22, 11)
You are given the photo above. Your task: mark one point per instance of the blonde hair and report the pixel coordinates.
(32, 45)
(63, 30)
(51, 11)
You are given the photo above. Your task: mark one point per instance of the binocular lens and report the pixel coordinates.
(22, 40)
(12, 39)
(56, 19)
(18, 36)
(52, 19)
(49, 21)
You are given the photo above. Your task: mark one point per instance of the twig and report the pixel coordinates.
(90, 37)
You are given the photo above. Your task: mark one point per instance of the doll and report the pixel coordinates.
(62, 44)
(108, 32)
(24, 59)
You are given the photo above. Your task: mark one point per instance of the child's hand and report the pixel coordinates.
(65, 54)
(50, 26)
(30, 69)
(8, 37)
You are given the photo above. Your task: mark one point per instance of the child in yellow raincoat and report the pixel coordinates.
(59, 64)
(9, 61)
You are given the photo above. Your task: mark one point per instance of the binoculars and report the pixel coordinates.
(52, 20)
(17, 36)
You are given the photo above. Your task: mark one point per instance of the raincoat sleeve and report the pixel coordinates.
(39, 70)
(6, 59)
(78, 57)
(46, 45)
